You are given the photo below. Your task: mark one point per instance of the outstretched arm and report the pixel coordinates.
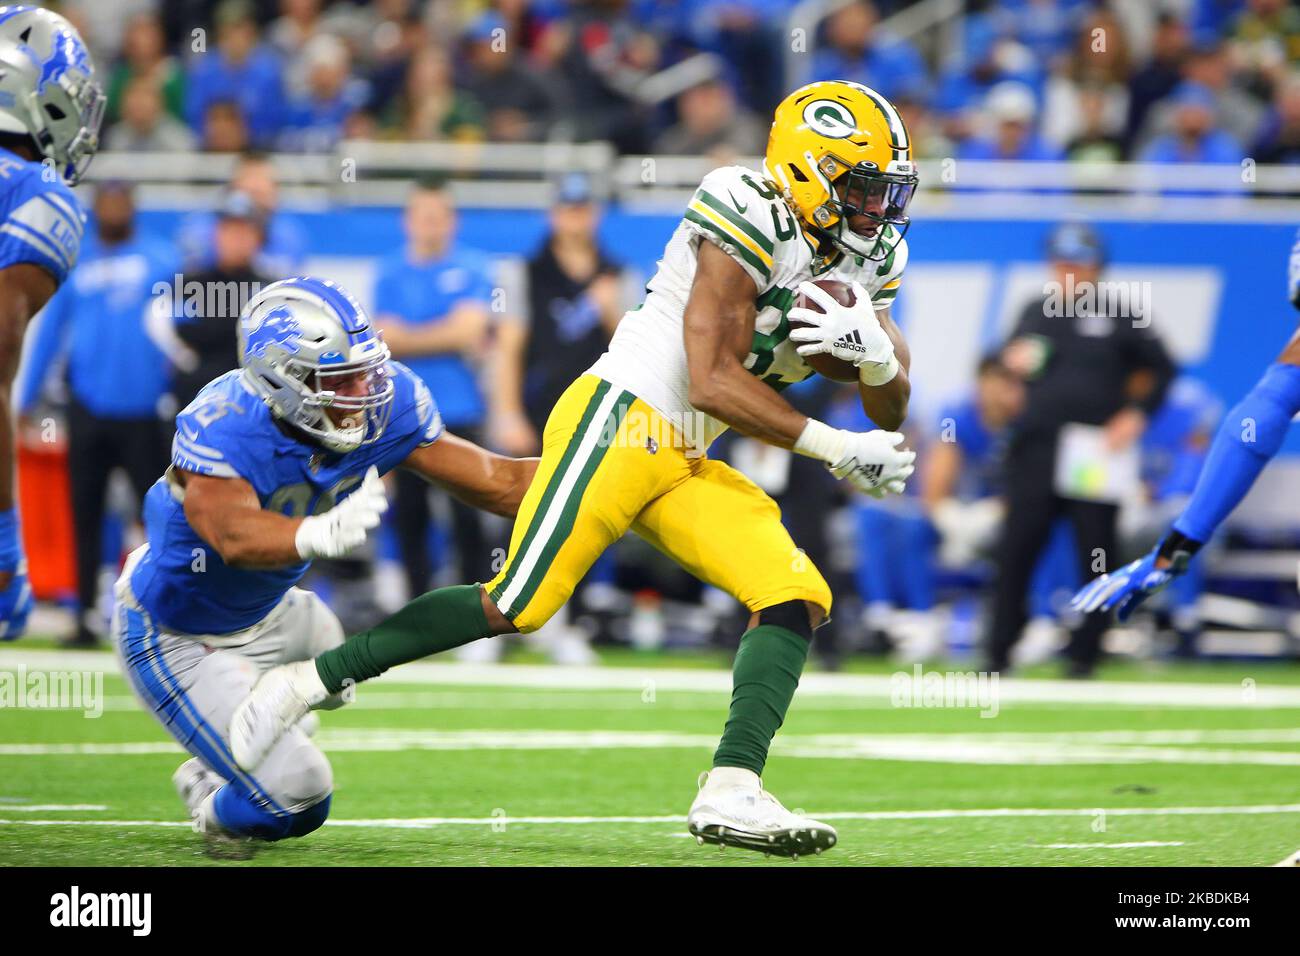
(886, 404)
(474, 475)
(1249, 437)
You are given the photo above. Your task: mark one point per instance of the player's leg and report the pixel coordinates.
(724, 529)
(1021, 540)
(193, 692)
(1096, 547)
(91, 457)
(592, 481)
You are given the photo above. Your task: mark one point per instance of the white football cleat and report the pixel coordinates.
(194, 783)
(276, 703)
(733, 809)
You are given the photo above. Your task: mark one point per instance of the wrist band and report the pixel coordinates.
(819, 440)
(878, 373)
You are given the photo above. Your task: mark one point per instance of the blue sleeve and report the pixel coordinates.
(1251, 434)
(51, 332)
(213, 438)
(387, 298)
(483, 285)
(43, 225)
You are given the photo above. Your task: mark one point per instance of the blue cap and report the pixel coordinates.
(240, 205)
(1194, 94)
(1076, 242)
(483, 26)
(573, 189)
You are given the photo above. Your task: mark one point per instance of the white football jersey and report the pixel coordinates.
(737, 210)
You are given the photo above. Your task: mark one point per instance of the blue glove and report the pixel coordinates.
(1132, 584)
(16, 599)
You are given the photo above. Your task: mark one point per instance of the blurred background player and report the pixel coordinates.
(1083, 363)
(195, 327)
(50, 111)
(432, 302)
(94, 329)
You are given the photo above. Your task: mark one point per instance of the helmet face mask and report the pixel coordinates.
(310, 351)
(48, 90)
(882, 198)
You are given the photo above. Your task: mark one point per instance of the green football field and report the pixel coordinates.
(445, 764)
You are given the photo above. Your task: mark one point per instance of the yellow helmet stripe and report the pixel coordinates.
(728, 230)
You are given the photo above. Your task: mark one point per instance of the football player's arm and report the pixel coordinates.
(474, 475)
(462, 330)
(226, 514)
(24, 290)
(718, 326)
(886, 405)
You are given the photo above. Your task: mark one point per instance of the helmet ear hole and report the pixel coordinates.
(797, 173)
(54, 113)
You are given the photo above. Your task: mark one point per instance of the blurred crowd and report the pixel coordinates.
(1159, 80)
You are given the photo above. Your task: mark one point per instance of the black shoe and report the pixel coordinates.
(81, 641)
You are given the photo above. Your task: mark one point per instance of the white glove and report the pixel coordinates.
(344, 526)
(871, 461)
(848, 333)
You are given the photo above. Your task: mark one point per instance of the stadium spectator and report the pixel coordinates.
(1232, 109)
(145, 126)
(224, 129)
(285, 246)
(855, 50)
(1086, 360)
(432, 300)
(923, 127)
(520, 104)
(1280, 140)
(748, 34)
(1159, 77)
(314, 120)
(116, 378)
(1097, 136)
(600, 53)
(396, 35)
(963, 89)
(429, 107)
(199, 335)
(711, 123)
(1010, 111)
(242, 70)
(1265, 39)
(568, 299)
(145, 57)
(1194, 138)
(1096, 70)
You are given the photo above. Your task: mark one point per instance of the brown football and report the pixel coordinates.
(824, 365)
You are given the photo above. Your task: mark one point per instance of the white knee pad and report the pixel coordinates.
(300, 777)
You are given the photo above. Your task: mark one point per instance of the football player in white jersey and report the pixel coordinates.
(624, 448)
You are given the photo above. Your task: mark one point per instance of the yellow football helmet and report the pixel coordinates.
(838, 151)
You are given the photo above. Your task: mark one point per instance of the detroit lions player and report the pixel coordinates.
(1250, 435)
(275, 464)
(50, 110)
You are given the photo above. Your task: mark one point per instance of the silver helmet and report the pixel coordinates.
(308, 348)
(48, 89)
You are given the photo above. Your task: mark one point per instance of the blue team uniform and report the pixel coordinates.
(41, 223)
(227, 431)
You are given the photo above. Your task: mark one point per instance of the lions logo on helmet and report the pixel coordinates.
(839, 151)
(48, 89)
(308, 348)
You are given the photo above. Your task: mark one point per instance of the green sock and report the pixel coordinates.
(437, 621)
(766, 672)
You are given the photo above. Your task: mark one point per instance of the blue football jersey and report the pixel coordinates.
(228, 432)
(41, 221)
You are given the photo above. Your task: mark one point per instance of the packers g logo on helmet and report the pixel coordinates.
(839, 151)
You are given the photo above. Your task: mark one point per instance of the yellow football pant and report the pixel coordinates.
(611, 463)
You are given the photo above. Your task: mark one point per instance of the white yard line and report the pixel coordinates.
(1292, 860)
(49, 807)
(1011, 691)
(426, 823)
(971, 748)
(1109, 846)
